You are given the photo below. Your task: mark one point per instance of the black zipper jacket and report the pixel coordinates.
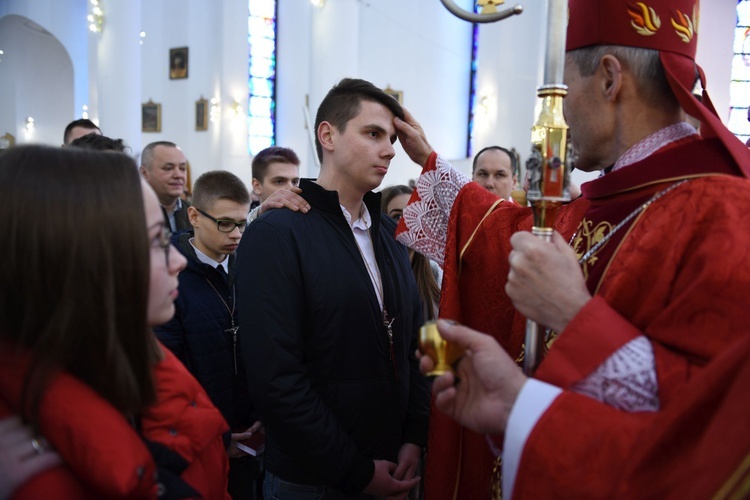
(332, 390)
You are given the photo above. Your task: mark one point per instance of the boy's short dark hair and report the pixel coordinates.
(81, 122)
(219, 185)
(273, 154)
(99, 143)
(342, 103)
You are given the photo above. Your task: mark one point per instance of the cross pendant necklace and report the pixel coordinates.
(387, 321)
(232, 330)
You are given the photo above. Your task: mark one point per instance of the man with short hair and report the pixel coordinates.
(79, 128)
(203, 331)
(335, 312)
(495, 169)
(275, 168)
(164, 167)
(631, 289)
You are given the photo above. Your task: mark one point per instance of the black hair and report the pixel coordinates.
(512, 155)
(342, 103)
(100, 143)
(83, 123)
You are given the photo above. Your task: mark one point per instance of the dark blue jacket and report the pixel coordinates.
(333, 390)
(200, 334)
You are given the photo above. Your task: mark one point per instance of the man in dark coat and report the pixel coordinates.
(203, 331)
(335, 313)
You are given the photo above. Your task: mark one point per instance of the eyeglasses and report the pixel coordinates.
(225, 225)
(164, 241)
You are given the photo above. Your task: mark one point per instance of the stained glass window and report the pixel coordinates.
(473, 88)
(261, 85)
(739, 88)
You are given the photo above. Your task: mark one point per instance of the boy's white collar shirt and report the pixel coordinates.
(208, 260)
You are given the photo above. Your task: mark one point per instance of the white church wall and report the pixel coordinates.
(201, 27)
(420, 48)
(118, 57)
(416, 47)
(66, 21)
(32, 58)
(511, 65)
(294, 63)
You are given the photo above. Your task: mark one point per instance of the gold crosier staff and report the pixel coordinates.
(547, 169)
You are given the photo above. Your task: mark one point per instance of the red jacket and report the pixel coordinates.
(104, 457)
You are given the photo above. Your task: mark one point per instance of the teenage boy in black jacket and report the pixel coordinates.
(203, 333)
(335, 314)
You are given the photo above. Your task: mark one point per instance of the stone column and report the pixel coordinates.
(118, 75)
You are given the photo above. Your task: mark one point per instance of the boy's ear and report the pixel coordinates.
(256, 186)
(326, 131)
(193, 216)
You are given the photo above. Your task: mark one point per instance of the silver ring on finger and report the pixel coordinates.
(38, 445)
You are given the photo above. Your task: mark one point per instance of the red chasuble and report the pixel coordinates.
(459, 462)
(677, 272)
(699, 447)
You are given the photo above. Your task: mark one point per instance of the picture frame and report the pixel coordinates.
(150, 117)
(201, 114)
(396, 94)
(178, 63)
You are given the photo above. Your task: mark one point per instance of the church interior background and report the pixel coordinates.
(226, 79)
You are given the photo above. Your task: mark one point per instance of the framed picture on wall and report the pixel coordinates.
(178, 63)
(201, 114)
(150, 117)
(396, 94)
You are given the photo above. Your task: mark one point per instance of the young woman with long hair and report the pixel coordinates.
(87, 271)
(427, 273)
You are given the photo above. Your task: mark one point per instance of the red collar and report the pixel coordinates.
(681, 160)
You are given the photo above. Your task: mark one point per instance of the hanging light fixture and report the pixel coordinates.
(215, 112)
(95, 17)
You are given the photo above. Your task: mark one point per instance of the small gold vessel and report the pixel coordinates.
(442, 352)
(519, 196)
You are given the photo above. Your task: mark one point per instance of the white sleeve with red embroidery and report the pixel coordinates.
(427, 218)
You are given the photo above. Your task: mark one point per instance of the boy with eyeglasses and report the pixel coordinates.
(204, 331)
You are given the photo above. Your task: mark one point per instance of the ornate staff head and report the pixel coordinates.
(489, 13)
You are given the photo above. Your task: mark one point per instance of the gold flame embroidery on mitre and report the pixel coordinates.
(644, 19)
(683, 26)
